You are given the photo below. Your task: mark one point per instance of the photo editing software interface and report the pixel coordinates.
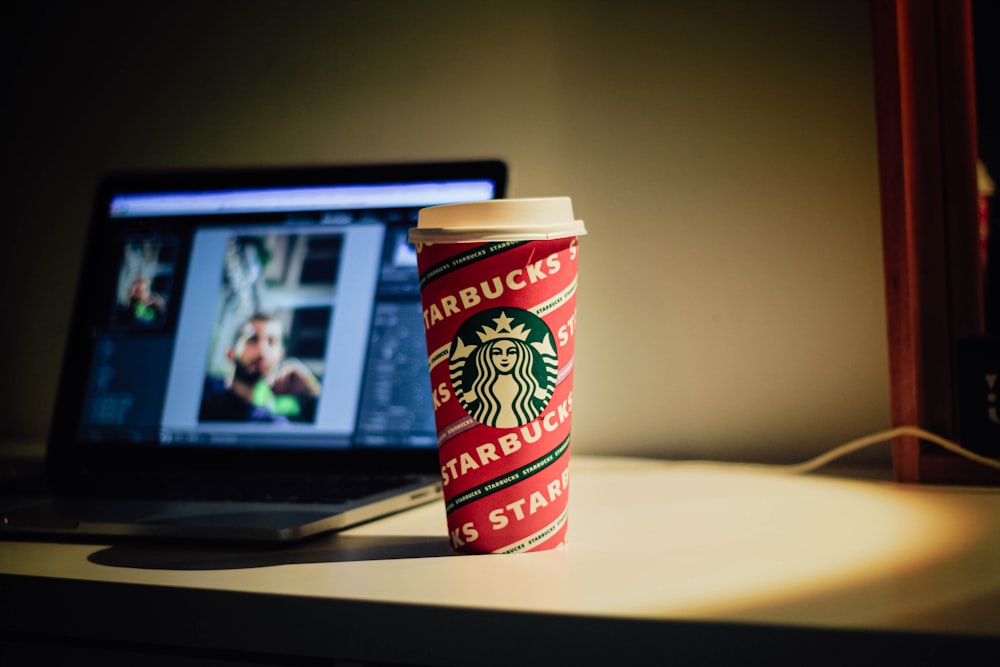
(271, 317)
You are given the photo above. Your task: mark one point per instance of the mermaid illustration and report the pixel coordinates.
(507, 381)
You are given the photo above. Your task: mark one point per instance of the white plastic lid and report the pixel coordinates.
(498, 220)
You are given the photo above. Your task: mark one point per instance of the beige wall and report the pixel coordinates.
(722, 155)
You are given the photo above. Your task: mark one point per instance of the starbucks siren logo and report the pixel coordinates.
(503, 366)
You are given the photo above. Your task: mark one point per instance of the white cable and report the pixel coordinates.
(882, 436)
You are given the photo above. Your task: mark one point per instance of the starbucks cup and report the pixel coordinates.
(498, 289)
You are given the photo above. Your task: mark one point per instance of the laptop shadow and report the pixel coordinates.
(332, 549)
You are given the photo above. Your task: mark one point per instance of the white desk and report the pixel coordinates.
(663, 560)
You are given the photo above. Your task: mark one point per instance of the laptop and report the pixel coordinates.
(246, 358)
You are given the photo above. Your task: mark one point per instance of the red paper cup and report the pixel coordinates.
(498, 287)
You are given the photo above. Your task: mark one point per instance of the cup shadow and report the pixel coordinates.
(332, 549)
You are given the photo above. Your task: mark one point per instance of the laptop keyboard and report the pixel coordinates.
(299, 488)
(295, 488)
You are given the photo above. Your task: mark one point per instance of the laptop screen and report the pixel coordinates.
(270, 314)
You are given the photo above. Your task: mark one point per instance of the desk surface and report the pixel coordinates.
(697, 552)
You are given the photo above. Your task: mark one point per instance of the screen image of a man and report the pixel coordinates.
(142, 306)
(265, 386)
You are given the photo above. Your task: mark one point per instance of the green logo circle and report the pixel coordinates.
(503, 366)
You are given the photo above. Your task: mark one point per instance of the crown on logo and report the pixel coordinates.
(503, 330)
